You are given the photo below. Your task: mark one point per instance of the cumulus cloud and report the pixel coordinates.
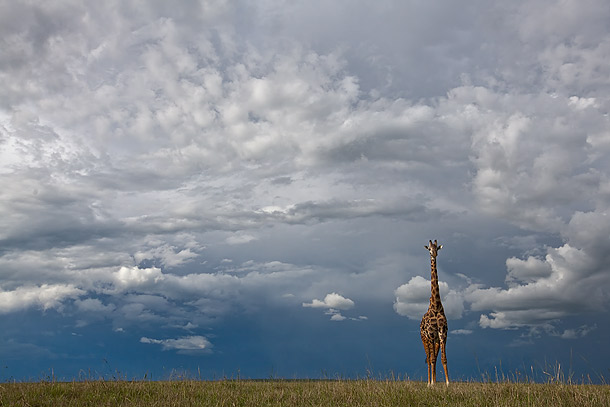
(331, 301)
(547, 291)
(540, 293)
(532, 181)
(187, 344)
(335, 303)
(135, 277)
(526, 271)
(413, 299)
(44, 296)
(152, 295)
(335, 315)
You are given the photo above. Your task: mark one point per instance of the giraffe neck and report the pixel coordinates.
(435, 296)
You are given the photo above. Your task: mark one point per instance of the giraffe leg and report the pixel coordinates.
(428, 355)
(443, 343)
(435, 350)
(444, 361)
(431, 365)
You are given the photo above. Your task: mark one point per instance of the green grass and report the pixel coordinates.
(299, 393)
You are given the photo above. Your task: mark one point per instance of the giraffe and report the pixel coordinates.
(433, 328)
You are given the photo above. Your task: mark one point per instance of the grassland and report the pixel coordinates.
(299, 393)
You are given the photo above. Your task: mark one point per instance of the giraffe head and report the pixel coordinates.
(433, 248)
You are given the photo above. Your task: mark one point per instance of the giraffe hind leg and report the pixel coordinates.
(431, 364)
(443, 344)
(444, 361)
(427, 349)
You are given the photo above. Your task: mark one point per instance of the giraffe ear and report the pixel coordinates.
(426, 247)
(440, 247)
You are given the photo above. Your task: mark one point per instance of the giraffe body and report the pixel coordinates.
(433, 328)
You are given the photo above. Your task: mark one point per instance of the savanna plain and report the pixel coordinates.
(366, 392)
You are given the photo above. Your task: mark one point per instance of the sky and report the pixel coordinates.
(245, 188)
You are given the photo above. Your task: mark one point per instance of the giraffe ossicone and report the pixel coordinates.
(433, 328)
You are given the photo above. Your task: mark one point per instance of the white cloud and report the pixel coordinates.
(334, 304)
(531, 181)
(526, 271)
(332, 301)
(336, 316)
(134, 277)
(413, 299)
(547, 296)
(45, 296)
(187, 344)
(462, 332)
(541, 291)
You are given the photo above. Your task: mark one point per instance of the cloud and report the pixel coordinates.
(141, 146)
(526, 271)
(550, 288)
(94, 305)
(335, 315)
(547, 296)
(462, 332)
(334, 304)
(306, 212)
(413, 299)
(579, 332)
(540, 292)
(240, 239)
(167, 255)
(187, 344)
(44, 296)
(135, 277)
(143, 296)
(518, 176)
(331, 301)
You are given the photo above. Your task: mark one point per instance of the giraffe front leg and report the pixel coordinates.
(428, 349)
(435, 350)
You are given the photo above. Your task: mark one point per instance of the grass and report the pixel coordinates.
(300, 393)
